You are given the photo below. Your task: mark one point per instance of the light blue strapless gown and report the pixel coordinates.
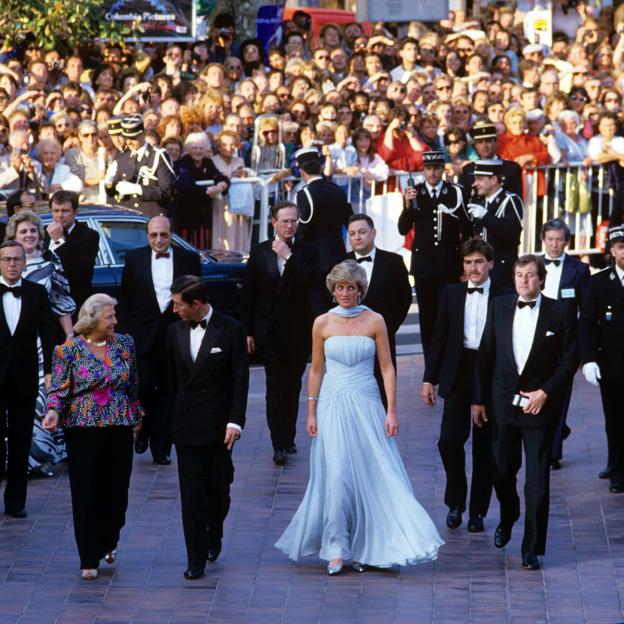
(359, 503)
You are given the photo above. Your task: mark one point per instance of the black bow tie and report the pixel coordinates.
(523, 304)
(364, 259)
(162, 254)
(549, 261)
(478, 289)
(16, 291)
(201, 324)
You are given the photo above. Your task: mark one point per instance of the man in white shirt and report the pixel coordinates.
(408, 53)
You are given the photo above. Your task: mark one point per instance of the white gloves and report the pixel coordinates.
(477, 211)
(591, 370)
(128, 188)
(111, 172)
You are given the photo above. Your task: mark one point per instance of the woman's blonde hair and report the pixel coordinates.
(348, 271)
(512, 113)
(91, 311)
(20, 217)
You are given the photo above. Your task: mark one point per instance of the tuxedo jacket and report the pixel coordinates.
(574, 280)
(78, 254)
(212, 391)
(552, 360)
(280, 310)
(18, 352)
(389, 292)
(438, 234)
(602, 324)
(442, 364)
(140, 311)
(324, 216)
(512, 178)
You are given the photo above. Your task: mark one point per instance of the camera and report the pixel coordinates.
(402, 124)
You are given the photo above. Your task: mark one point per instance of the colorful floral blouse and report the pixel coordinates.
(88, 391)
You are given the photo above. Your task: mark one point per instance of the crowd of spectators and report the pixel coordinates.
(372, 104)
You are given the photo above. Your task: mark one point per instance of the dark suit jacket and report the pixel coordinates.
(574, 275)
(212, 391)
(279, 310)
(550, 366)
(512, 174)
(141, 314)
(324, 211)
(389, 292)
(448, 339)
(78, 254)
(19, 351)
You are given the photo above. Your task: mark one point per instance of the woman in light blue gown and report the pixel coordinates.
(359, 504)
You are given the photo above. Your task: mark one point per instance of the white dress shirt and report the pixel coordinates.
(12, 305)
(553, 277)
(162, 276)
(367, 266)
(620, 274)
(524, 324)
(490, 199)
(281, 261)
(475, 313)
(55, 244)
(437, 188)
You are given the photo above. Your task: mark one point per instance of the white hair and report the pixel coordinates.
(197, 137)
(91, 311)
(567, 114)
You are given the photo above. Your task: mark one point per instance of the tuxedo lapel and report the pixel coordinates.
(4, 326)
(567, 274)
(184, 342)
(541, 327)
(147, 271)
(270, 258)
(508, 311)
(212, 335)
(458, 311)
(379, 269)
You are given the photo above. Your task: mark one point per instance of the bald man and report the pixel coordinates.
(146, 312)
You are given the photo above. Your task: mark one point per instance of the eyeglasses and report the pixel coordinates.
(89, 135)
(612, 100)
(325, 57)
(267, 132)
(578, 98)
(12, 259)
(464, 50)
(454, 142)
(443, 88)
(428, 50)
(345, 111)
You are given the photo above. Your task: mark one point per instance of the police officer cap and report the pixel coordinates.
(433, 158)
(132, 126)
(307, 156)
(616, 233)
(114, 126)
(483, 130)
(488, 168)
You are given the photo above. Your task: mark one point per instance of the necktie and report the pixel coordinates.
(549, 261)
(201, 324)
(364, 259)
(162, 254)
(523, 304)
(16, 291)
(433, 194)
(478, 289)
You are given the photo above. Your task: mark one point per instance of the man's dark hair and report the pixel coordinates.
(522, 261)
(312, 168)
(224, 20)
(477, 245)
(284, 203)
(14, 200)
(360, 216)
(556, 224)
(62, 197)
(12, 243)
(190, 288)
(407, 40)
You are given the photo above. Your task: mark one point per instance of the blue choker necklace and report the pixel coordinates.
(349, 312)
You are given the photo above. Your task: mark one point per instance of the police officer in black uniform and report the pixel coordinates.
(497, 217)
(436, 211)
(141, 177)
(602, 351)
(485, 142)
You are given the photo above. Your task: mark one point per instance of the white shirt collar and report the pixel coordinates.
(206, 318)
(537, 300)
(486, 285)
(561, 258)
(620, 272)
(490, 199)
(169, 250)
(3, 281)
(437, 187)
(314, 178)
(371, 254)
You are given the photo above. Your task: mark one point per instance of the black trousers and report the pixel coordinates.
(99, 460)
(428, 295)
(613, 408)
(155, 399)
(205, 474)
(560, 431)
(454, 432)
(507, 447)
(284, 370)
(16, 425)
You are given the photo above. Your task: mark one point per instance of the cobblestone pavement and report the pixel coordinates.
(582, 581)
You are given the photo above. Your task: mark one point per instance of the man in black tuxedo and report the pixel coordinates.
(527, 356)
(323, 210)
(207, 354)
(567, 278)
(389, 291)
(147, 312)
(435, 209)
(602, 351)
(75, 243)
(451, 364)
(24, 314)
(280, 301)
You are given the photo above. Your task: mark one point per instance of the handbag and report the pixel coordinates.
(240, 200)
(577, 195)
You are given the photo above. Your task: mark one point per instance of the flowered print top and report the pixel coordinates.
(88, 391)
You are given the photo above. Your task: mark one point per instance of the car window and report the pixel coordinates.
(123, 236)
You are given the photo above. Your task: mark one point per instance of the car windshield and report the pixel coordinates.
(123, 236)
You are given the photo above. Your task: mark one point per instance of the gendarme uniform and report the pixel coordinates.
(146, 175)
(602, 343)
(501, 225)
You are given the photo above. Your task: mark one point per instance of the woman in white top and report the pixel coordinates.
(58, 175)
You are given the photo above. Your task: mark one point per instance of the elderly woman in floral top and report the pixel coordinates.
(94, 396)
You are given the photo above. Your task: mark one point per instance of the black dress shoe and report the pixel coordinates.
(565, 434)
(214, 552)
(291, 449)
(162, 460)
(531, 562)
(616, 488)
(606, 473)
(475, 524)
(453, 518)
(192, 574)
(555, 464)
(502, 535)
(17, 513)
(280, 458)
(140, 446)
